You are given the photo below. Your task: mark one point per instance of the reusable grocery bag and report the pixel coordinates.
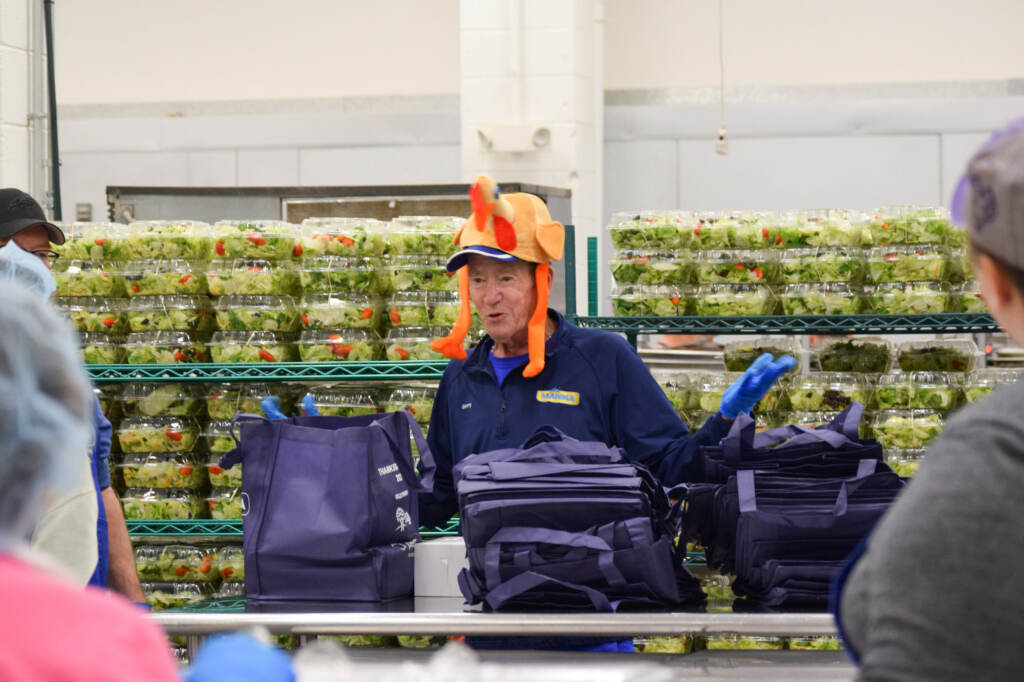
(329, 505)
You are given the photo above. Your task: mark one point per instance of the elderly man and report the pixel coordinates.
(26, 256)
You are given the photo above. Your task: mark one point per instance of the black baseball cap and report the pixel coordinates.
(19, 210)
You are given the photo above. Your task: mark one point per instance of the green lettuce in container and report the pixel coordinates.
(913, 298)
(966, 298)
(904, 461)
(101, 349)
(343, 401)
(418, 400)
(413, 343)
(252, 277)
(221, 477)
(95, 314)
(822, 264)
(157, 434)
(255, 239)
(739, 355)
(822, 417)
(225, 503)
(734, 266)
(409, 309)
(231, 560)
(218, 439)
(752, 231)
(168, 239)
(745, 643)
(826, 298)
(953, 355)
(340, 311)
(167, 595)
(176, 470)
(224, 401)
(960, 267)
(708, 390)
(817, 228)
(861, 354)
(147, 562)
(160, 399)
(893, 391)
(676, 386)
(735, 300)
(651, 230)
(164, 278)
(908, 263)
(828, 391)
(419, 273)
(170, 313)
(88, 278)
(650, 267)
(338, 274)
(980, 383)
(444, 310)
(707, 231)
(814, 644)
(146, 504)
(251, 313)
(342, 237)
(185, 563)
(423, 235)
(254, 346)
(164, 348)
(651, 301)
(935, 390)
(907, 428)
(93, 241)
(925, 224)
(339, 345)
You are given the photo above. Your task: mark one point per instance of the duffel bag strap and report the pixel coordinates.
(524, 582)
(235, 455)
(549, 536)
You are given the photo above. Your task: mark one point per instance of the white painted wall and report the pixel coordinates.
(14, 93)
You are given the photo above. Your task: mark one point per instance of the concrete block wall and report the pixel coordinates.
(14, 93)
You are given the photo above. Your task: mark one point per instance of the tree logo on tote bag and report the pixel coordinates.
(403, 519)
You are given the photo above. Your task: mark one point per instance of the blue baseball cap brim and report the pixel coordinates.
(462, 257)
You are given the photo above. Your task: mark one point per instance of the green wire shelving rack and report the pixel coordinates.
(233, 528)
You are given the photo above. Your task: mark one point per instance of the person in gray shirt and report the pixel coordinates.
(936, 593)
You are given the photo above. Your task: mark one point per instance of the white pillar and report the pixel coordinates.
(14, 93)
(531, 99)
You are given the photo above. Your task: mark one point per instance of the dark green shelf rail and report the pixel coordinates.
(212, 527)
(270, 371)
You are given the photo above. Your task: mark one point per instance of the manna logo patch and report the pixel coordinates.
(558, 397)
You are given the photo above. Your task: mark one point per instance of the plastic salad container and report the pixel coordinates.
(980, 383)
(909, 225)
(736, 267)
(157, 434)
(651, 301)
(745, 643)
(93, 241)
(707, 390)
(258, 277)
(338, 274)
(921, 390)
(751, 230)
(828, 391)
(902, 298)
(419, 273)
(650, 230)
(255, 239)
(967, 298)
(825, 264)
(161, 399)
(170, 313)
(168, 595)
(166, 348)
(409, 309)
(676, 386)
(805, 229)
(221, 477)
(89, 278)
(340, 311)
(251, 313)
(904, 461)
(651, 268)
(163, 278)
(356, 345)
(822, 417)
(912, 429)
(734, 299)
(861, 354)
(825, 298)
(224, 401)
(95, 314)
(254, 346)
(960, 266)
(954, 355)
(147, 562)
(413, 343)
(185, 563)
(418, 400)
(342, 237)
(178, 470)
(168, 239)
(908, 263)
(423, 235)
(340, 401)
(218, 437)
(162, 505)
(107, 396)
(225, 503)
(231, 562)
(739, 355)
(707, 231)
(232, 591)
(101, 349)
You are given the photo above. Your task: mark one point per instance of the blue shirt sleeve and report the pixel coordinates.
(437, 506)
(101, 446)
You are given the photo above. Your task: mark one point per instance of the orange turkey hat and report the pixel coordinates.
(505, 227)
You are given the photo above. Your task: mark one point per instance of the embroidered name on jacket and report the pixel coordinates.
(558, 397)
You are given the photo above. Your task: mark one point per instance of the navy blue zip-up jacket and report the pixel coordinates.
(594, 387)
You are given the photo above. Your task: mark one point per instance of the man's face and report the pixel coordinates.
(33, 239)
(505, 296)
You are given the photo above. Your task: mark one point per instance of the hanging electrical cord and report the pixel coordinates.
(721, 142)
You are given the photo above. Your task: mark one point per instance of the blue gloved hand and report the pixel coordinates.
(239, 657)
(309, 407)
(748, 390)
(145, 606)
(272, 407)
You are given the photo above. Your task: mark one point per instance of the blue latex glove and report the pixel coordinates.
(272, 407)
(143, 605)
(748, 390)
(239, 658)
(309, 407)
